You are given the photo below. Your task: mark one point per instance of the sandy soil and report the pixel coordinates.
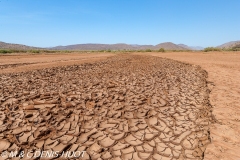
(26, 62)
(224, 74)
(223, 70)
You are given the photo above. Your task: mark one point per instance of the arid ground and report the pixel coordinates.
(224, 76)
(122, 106)
(26, 62)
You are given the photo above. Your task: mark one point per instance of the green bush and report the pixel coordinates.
(148, 50)
(49, 51)
(34, 51)
(208, 49)
(235, 49)
(5, 51)
(161, 50)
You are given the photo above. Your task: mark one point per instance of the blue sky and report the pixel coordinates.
(46, 23)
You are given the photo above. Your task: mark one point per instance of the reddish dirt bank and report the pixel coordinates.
(224, 71)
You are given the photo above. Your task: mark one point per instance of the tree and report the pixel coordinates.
(161, 50)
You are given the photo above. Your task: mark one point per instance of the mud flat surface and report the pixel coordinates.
(224, 75)
(26, 62)
(124, 107)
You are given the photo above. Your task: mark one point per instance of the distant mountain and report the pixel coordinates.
(120, 46)
(229, 45)
(4, 45)
(197, 48)
(191, 47)
(185, 46)
(170, 46)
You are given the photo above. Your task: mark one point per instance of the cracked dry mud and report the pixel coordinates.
(125, 107)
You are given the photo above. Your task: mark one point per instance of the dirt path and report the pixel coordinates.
(124, 107)
(224, 71)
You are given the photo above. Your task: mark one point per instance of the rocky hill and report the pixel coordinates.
(230, 45)
(4, 45)
(191, 47)
(91, 46)
(120, 46)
